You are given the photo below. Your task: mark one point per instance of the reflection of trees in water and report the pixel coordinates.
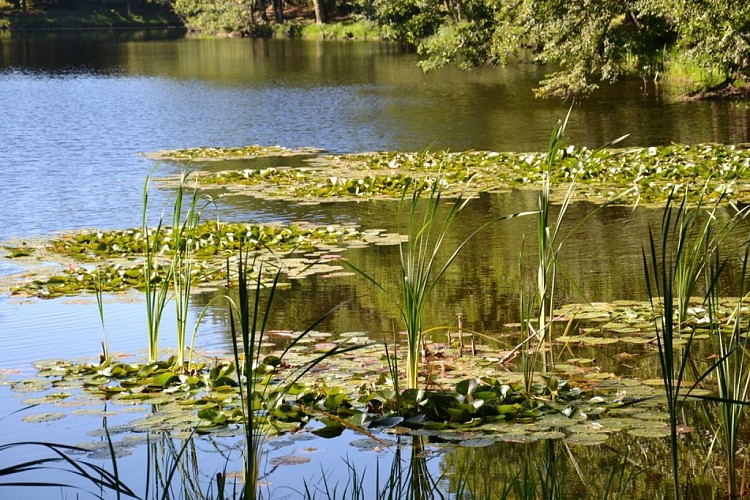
(601, 262)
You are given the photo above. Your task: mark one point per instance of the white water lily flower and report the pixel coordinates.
(570, 149)
(652, 151)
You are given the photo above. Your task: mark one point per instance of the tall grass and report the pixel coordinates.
(260, 393)
(550, 241)
(181, 270)
(732, 372)
(156, 284)
(163, 282)
(428, 224)
(675, 261)
(548, 246)
(35, 472)
(100, 306)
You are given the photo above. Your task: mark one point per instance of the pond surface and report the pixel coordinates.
(78, 110)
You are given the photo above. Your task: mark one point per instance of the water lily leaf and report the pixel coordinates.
(370, 444)
(586, 439)
(477, 442)
(518, 438)
(650, 432)
(548, 435)
(386, 422)
(289, 460)
(329, 431)
(43, 417)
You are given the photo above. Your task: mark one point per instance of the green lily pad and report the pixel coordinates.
(583, 439)
(288, 460)
(43, 417)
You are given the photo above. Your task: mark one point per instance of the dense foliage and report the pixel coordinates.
(585, 41)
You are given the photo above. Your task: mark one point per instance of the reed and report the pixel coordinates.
(674, 263)
(181, 270)
(59, 459)
(156, 284)
(100, 306)
(427, 226)
(732, 372)
(550, 239)
(260, 393)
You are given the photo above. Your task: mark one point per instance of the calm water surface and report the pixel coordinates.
(78, 111)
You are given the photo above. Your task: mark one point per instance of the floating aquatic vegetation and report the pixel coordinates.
(15, 252)
(213, 154)
(111, 261)
(43, 417)
(703, 170)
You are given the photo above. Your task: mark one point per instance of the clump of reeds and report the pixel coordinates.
(259, 393)
(683, 255)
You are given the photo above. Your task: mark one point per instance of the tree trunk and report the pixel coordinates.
(262, 8)
(321, 16)
(278, 10)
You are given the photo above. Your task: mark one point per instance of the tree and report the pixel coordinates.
(587, 41)
(321, 15)
(278, 11)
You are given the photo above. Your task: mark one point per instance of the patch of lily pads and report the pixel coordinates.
(217, 153)
(112, 261)
(203, 397)
(645, 175)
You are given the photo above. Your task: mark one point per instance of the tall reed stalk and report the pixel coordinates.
(420, 271)
(156, 284)
(547, 242)
(181, 270)
(260, 393)
(674, 264)
(427, 227)
(732, 372)
(550, 241)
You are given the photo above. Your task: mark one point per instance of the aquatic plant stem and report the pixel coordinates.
(156, 287)
(665, 264)
(183, 236)
(732, 373)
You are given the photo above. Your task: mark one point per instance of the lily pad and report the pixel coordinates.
(43, 417)
(288, 460)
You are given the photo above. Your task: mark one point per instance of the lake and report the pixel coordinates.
(79, 109)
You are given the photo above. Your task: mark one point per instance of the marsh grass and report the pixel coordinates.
(181, 268)
(550, 239)
(675, 261)
(156, 284)
(100, 306)
(172, 281)
(732, 373)
(685, 73)
(261, 393)
(59, 459)
(428, 224)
